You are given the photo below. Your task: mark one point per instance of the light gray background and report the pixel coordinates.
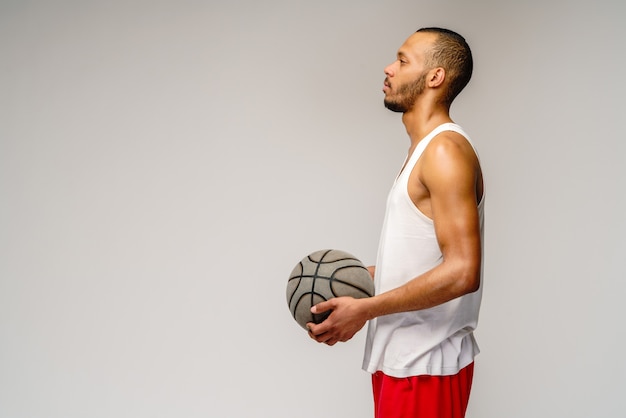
(164, 165)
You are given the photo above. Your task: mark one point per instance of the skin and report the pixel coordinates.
(445, 185)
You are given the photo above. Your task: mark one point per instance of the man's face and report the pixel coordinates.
(406, 76)
(405, 95)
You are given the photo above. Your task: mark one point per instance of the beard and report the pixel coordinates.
(407, 94)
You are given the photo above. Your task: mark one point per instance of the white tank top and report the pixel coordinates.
(435, 341)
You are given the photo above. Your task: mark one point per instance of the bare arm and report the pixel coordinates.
(449, 173)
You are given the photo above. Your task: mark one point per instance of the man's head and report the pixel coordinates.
(435, 57)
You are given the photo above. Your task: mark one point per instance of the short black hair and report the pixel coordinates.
(451, 52)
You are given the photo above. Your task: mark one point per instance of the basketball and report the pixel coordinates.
(323, 275)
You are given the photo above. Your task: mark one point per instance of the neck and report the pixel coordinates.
(421, 119)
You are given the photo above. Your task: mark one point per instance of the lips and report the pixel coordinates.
(386, 86)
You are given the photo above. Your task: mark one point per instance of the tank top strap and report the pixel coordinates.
(421, 146)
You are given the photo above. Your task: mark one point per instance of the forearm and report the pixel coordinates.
(439, 285)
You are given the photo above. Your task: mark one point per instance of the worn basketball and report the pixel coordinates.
(323, 275)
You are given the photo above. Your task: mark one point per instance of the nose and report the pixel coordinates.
(389, 70)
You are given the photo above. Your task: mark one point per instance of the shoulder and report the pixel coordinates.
(448, 152)
(451, 144)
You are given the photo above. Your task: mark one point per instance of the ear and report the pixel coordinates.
(436, 77)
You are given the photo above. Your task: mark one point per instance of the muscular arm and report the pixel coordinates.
(446, 189)
(449, 172)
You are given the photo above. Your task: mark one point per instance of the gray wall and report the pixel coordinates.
(164, 165)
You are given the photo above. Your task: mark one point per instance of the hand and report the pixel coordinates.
(347, 317)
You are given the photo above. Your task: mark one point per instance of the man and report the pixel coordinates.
(420, 346)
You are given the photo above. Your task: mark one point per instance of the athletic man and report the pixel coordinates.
(420, 346)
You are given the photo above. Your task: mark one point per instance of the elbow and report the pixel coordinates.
(473, 283)
(469, 280)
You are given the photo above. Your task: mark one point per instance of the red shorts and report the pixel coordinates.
(422, 396)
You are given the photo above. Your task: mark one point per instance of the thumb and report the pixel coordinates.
(322, 307)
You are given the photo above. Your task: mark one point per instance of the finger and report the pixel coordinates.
(318, 335)
(322, 307)
(314, 331)
(318, 329)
